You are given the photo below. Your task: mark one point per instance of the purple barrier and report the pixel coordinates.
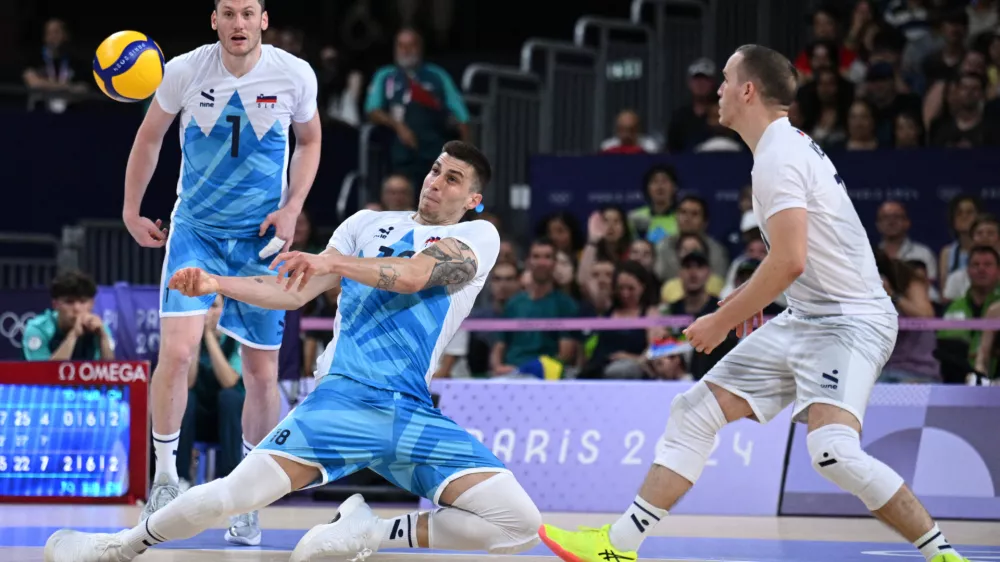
(941, 439)
(586, 446)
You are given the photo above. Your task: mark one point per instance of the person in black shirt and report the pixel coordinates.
(56, 69)
(689, 123)
(966, 127)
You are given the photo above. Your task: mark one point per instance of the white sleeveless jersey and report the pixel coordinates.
(234, 135)
(390, 340)
(791, 171)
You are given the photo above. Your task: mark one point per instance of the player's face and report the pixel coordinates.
(240, 24)
(448, 190)
(731, 92)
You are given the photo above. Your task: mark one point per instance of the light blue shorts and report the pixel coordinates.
(344, 426)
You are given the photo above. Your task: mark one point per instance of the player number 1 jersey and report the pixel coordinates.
(234, 135)
(390, 340)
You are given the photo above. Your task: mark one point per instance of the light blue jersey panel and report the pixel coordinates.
(230, 177)
(387, 339)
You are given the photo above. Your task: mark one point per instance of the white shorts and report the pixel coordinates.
(820, 359)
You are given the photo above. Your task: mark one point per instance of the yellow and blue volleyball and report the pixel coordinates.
(128, 66)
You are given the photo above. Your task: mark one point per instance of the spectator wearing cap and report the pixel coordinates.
(825, 27)
(966, 126)
(893, 223)
(692, 218)
(689, 124)
(69, 331)
(628, 137)
(657, 219)
(882, 92)
(685, 245)
(985, 232)
(697, 301)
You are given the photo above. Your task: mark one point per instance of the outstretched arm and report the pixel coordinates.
(447, 262)
(265, 291)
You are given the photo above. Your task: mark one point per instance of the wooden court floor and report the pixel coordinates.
(23, 530)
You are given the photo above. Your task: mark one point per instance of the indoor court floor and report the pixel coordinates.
(24, 529)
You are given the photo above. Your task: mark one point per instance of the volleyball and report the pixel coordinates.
(128, 66)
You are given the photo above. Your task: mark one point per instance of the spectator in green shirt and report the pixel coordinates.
(539, 300)
(69, 331)
(958, 349)
(658, 219)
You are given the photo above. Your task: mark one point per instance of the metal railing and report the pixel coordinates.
(625, 57)
(510, 109)
(106, 251)
(30, 271)
(569, 78)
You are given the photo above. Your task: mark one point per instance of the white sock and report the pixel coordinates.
(247, 447)
(165, 451)
(400, 532)
(630, 530)
(933, 543)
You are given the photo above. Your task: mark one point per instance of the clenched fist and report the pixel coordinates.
(193, 282)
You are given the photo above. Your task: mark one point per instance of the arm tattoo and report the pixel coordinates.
(387, 276)
(455, 263)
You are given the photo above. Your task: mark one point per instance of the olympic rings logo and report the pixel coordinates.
(12, 326)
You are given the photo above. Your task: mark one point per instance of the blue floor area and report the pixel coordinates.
(700, 549)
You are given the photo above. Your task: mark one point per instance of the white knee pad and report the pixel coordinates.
(695, 420)
(502, 502)
(837, 455)
(256, 482)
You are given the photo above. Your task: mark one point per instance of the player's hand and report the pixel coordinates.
(147, 233)
(193, 282)
(406, 136)
(706, 333)
(746, 327)
(283, 221)
(300, 267)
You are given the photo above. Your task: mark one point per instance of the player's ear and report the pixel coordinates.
(215, 21)
(264, 21)
(474, 200)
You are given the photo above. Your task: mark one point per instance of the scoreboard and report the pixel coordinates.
(74, 431)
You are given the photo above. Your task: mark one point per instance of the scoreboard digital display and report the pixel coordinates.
(73, 431)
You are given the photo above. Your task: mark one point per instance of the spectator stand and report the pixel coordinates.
(569, 81)
(20, 266)
(106, 251)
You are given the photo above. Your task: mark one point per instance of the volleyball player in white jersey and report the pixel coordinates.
(823, 353)
(238, 197)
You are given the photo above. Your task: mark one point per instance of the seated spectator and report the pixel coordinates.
(509, 253)
(397, 194)
(860, 128)
(944, 63)
(502, 285)
(658, 218)
(734, 240)
(958, 350)
(563, 230)
(985, 232)
(597, 291)
(716, 136)
(607, 237)
(859, 68)
(942, 97)
(628, 137)
(692, 218)
(564, 275)
(697, 301)
(965, 127)
(863, 15)
(753, 249)
(962, 213)
(516, 350)
(825, 27)
(618, 354)
(893, 223)
(215, 399)
(912, 359)
(673, 289)
(886, 99)
(825, 104)
(340, 89)
(642, 252)
(666, 360)
(420, 103)
(69, 331)
(918, 269)
(908, 132)
(689, 122)
(983, 17)
(57, 70)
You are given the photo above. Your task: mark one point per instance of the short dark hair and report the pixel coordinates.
(73, 284)
(984, 250)
(984, 218)
(474, 157)
(701, 240)
(261, 2)
(543, 241)
(771, 72)
(696, 199)
(974, 76)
